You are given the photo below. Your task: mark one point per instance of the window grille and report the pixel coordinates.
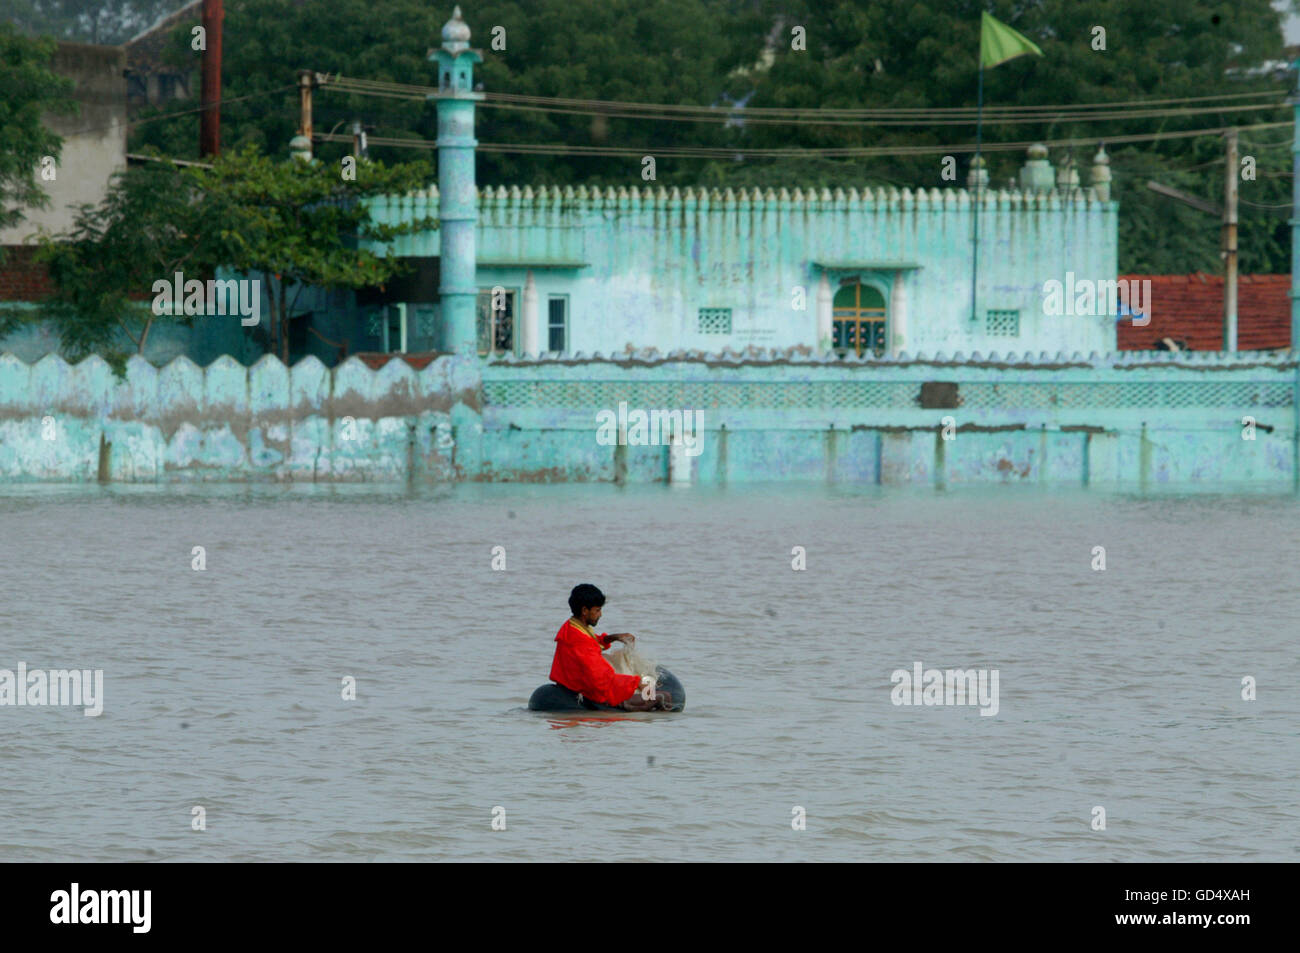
(1002, 324)
(715, 320)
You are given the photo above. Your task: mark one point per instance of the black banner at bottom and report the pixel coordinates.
(333, 902)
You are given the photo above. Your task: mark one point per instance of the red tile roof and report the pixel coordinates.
(375, 360)
(1189, 308)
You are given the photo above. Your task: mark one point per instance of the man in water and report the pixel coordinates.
(580, 667)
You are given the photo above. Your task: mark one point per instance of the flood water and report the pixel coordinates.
(1119, 689)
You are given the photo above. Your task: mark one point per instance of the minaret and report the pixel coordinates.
(1037, 174)
(458, 203)
(1067, 177)
(1101, 173)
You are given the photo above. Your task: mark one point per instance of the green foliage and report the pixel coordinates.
(150, 225)
(898, 53)
(679, 52)
(676, 51)
(110, 22)
(302, 224)
(298, 224)
(860, 53)
(29, 90)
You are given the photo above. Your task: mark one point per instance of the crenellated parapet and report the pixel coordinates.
(561, 199)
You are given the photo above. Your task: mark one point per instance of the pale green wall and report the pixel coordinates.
(639, 263)
(1121, 420)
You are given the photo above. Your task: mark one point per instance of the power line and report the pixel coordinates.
(139, 157)
(866, 111)
(179, 112)
(406, 90)
(969, 121)
(802, 117)
(1266, 145)
(1142, 164)
(960, 116)
(561, 149)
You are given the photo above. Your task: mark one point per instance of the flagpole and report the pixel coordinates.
(998, 43)
(979, 181)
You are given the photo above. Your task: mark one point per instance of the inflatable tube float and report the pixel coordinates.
(552, 697)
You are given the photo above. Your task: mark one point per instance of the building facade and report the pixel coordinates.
(609, 270)
(807, 335)
(94, 139)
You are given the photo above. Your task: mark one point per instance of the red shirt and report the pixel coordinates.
(580, 667)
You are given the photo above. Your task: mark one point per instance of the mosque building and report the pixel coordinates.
(791, 334)
(536, 269)
(528, 269)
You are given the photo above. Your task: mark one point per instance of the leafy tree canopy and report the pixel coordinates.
(110, 22)
(286, 223)
(302, 224)
(150, 225)
(859, 53)
(30, 90)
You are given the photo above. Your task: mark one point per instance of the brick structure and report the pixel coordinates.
(151, 79)
(1189, 309)
(21, 278)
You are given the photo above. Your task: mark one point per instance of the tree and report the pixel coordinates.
(676, 51)
(303, 224)
(857, 53)
(30, 90)
(899, 53)
(150, 225)
(86, 21)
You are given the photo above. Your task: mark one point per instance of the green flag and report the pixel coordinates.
(999, 43)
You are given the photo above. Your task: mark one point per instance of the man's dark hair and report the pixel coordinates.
(583, 596)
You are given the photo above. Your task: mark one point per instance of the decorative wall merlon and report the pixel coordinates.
(557, 198)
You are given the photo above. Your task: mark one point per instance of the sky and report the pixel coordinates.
(1290, 23)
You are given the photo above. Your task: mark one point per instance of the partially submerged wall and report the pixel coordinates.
(229, 422)
(1119, 419)
(1115, 419)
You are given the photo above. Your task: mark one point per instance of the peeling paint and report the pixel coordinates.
(931, 428)
(848, 364)
(1217, 365)
(786, 420)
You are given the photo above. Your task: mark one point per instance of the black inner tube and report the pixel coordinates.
(552, 697)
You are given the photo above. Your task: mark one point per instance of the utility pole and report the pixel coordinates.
(1228, 213)
(210, 88)
(1230, 242)
(306, 83)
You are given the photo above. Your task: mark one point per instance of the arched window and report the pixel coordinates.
(859, 319)
(496, 320)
